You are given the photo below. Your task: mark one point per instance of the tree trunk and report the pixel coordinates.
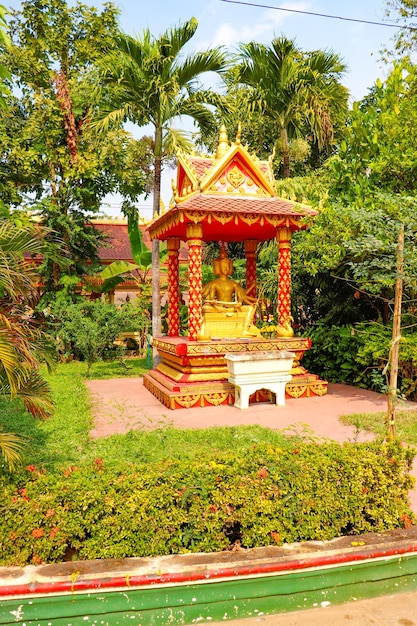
(396, 335)
(285, 154)
(156, 280)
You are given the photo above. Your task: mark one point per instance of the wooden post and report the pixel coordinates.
(396, 336)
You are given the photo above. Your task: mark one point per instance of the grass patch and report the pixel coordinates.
(405, 424)
(101, 370)
(64, 440)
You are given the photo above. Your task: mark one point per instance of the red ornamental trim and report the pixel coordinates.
(225, 217)
(173, 294)
(69, 586)
(284, 282)
(194, 288)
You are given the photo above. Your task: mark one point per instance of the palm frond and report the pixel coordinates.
(36, 395)
(188, 71)
(174, 139)
(11, 448)
(174, 39)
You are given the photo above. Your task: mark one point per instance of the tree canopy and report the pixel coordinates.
(49, 163)
(300, 92)
(150, 80)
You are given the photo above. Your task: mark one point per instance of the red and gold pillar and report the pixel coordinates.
(251, 246)
(173, 245)
(194, 238)
(284, 274)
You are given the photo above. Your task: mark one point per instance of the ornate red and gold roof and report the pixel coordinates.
(232, 195)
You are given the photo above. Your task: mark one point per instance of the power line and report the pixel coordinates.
(333, 17)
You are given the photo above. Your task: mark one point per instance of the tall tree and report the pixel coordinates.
(299, 91)
(149, 80)
(49, 163)
(346, 260)
(4, 74)
(404, 12)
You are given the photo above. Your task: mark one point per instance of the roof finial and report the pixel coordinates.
(223, 144)
(238, 134)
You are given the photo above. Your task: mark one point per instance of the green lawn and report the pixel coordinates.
(64, 438)
(405, 424)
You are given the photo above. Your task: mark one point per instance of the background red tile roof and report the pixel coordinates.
(117, 246)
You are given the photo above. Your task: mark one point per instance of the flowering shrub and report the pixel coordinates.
(269, 496)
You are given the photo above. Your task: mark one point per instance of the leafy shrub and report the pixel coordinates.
(358, 355)
(86, 330)
(375, 349)
(269, 495)
(334, 355)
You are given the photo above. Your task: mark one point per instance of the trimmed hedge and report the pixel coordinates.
(269, 496)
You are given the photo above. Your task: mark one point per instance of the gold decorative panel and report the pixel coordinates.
(235, 177)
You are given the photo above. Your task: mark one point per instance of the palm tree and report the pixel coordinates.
(22, 343)
(149, 81)
(299, 91)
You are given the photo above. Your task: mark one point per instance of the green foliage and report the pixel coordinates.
(333, 355)
(374, 351)
(404, 13)
(346, 261)
(376, 148)
(50, 163)
(23, 344)
(11, 449)
(269, 495)
(299, 91)
(87, 330)
(4, 74)
(360, 355)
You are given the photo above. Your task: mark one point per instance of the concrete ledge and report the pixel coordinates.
(198, 588)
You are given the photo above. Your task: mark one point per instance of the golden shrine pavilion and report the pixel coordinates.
(230, 197)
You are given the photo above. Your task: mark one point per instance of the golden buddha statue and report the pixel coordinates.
(228, 311)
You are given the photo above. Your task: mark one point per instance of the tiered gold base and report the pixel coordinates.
(194, 373)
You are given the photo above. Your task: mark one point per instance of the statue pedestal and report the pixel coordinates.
(195, 373)
(257, 371)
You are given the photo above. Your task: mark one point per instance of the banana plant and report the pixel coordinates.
(140, 271)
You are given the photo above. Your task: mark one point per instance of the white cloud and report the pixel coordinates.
(268, 24)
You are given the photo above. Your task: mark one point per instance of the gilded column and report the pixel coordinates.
(284, 274)
(251, 246)
(194, 237)
(173, 245)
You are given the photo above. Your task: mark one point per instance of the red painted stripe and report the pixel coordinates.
(127, 581)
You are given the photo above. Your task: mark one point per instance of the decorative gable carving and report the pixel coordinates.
(232, 171)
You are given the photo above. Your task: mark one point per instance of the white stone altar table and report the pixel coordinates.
(250, 372)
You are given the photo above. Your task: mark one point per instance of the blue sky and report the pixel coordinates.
(224, 23)
(228, 24)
